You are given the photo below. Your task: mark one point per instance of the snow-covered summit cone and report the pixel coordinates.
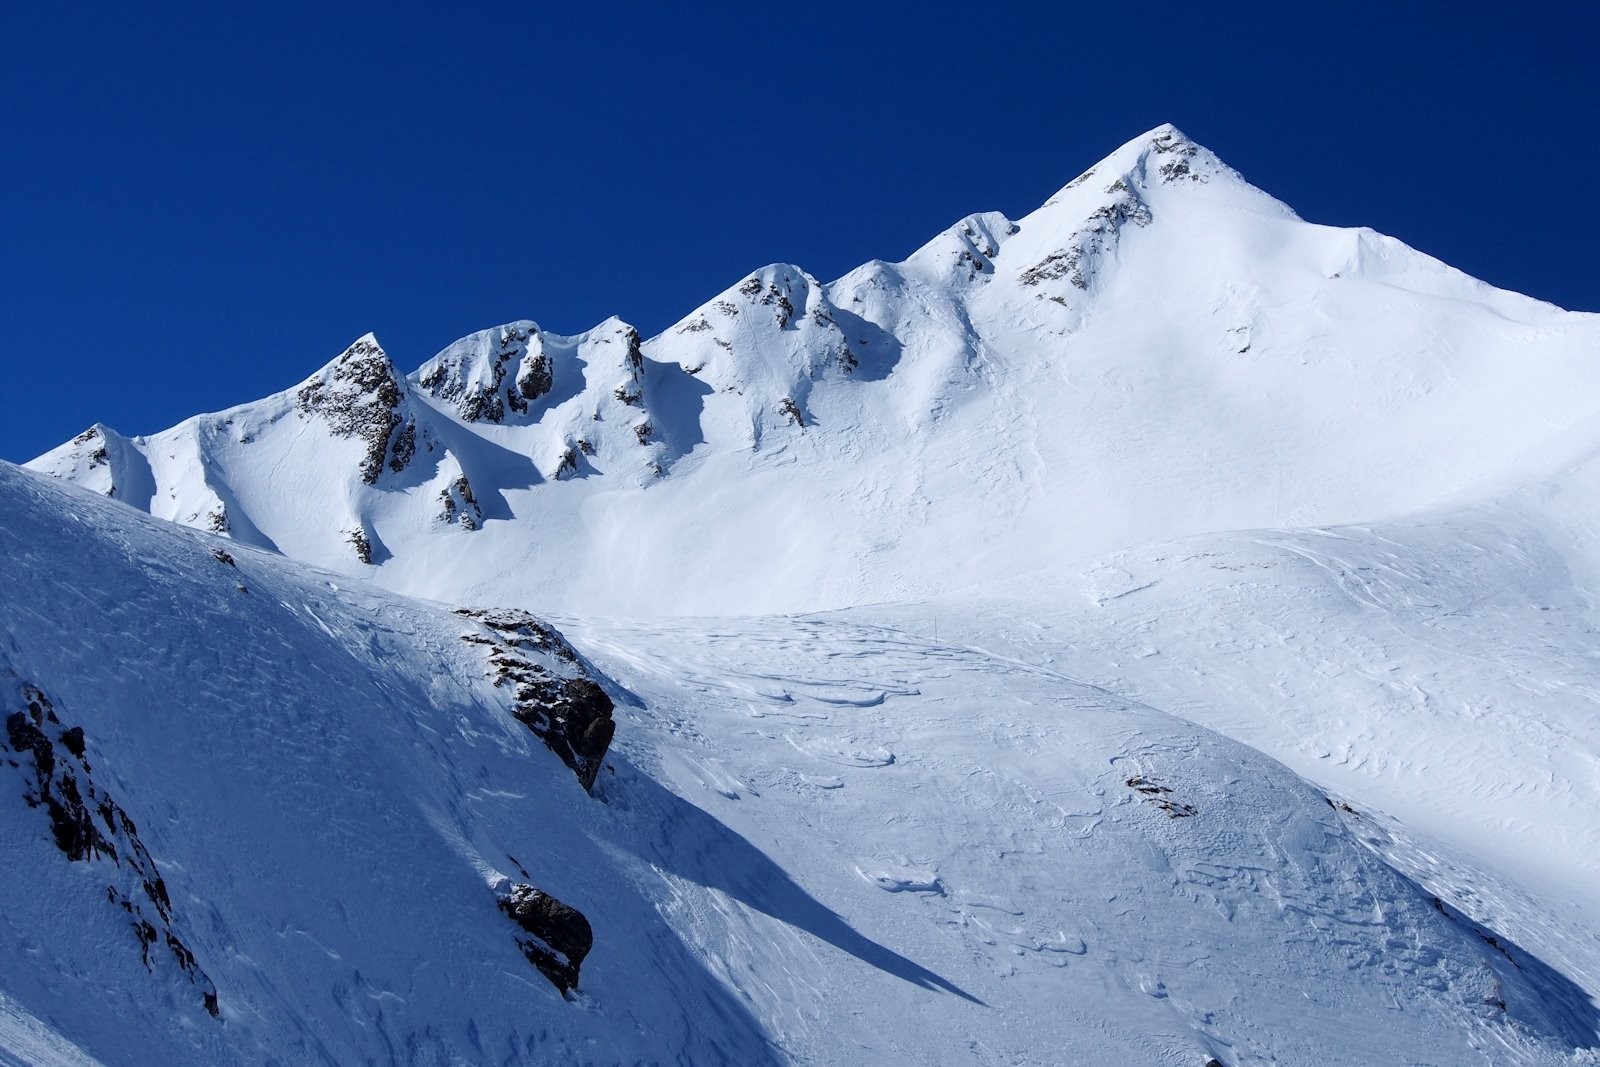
(104, 460)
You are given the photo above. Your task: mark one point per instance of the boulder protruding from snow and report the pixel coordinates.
(555, 697)
(559, 936)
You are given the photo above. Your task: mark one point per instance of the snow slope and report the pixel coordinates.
(333, 791)
(821, 841)
(1199, 663)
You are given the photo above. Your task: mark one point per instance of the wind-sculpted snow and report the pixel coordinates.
(800, 814)
(336, 796)
(1095, 881)
(1438, 670)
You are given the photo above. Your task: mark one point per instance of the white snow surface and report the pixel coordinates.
(1152, 630)
(822, 840)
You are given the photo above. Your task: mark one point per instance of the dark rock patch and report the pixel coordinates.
(571, 715)
(362, 545)
(1180, 154)
(1077, 261)
(559, 936)
(480, 397)
(86, 825)
(535, 378)
(771, 296)
(360, 395)
(1159, 795)
(458, 505)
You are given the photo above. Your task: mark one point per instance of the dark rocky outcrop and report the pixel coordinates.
(1160, 796)
(535, 378)
(1179, 157)
(361, 395)
(1077, 261)
(630, 390)
(361, 543)
(771, 296)
(571, 715)
(559, 937)
(473, 373)
(458, 505)
(88, 825)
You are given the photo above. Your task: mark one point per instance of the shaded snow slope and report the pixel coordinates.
(334, 792)
(820, 841)
(1160, 350)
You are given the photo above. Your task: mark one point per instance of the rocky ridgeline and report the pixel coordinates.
(88, 826)
(1079, 258)
(361, 395)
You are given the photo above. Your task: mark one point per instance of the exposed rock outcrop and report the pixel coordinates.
(557, 700)
(458, 505)
(559, 936)
(492, 372)
(360, 543)
(1078, 260)
(88, 825)
(361, 395)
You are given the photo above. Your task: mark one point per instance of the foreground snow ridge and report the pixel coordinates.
(1153, 630)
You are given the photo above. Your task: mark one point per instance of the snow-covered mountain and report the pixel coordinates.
(1160, 350)
(1199, 666)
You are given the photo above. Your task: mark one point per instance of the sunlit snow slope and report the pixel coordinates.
(819, 841)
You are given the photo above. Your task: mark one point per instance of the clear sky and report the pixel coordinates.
(201, 204)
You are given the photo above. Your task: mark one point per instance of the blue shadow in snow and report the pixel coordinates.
(692, 844)
(1534, 993)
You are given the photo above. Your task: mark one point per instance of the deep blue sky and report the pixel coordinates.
(199, 207)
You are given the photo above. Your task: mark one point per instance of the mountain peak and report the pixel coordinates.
(1164, 152)
(361, 395)
(491, 373)
(1163, 158)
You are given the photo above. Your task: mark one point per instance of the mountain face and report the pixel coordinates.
(1196, 666)
(310, 824)
(1159, 350)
